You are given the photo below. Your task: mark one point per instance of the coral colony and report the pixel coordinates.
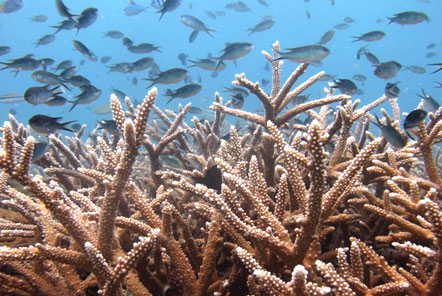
(276, 208)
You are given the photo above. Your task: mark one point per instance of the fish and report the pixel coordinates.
(86, 18)
(41, 18)
(105, 59)
(40, 94)
(84, 50)
(40, 149)
(183, 58)
(120, 67)
(238, 6)
(10, 6)
(387, 70)
(431, 55)
(90, 93)
(78, 80)
(62, 9)
(342, 26)
(170, 76)
(263, 25)
(233, 51)
(133, 9)
(21, 64)
(237, 101)
(348, 20)
(346, 86)
(168, 6)
(416, 69)
(67, 24)
(370, 36)
(135, 81)
(263, 2)
(46, 39)
(390, 134)
(236, 90)
(140, 65)
(359, 77)
(438, 69)
(371, 58)
(208, 64)
(429, 101)
(304, 54)
(431, 45)
(193, 35)
(48, 125)
(63, 65)
(4, 50)
(212, 178)
(102, 109)
(11, 98)
(195, 23)
(56, 101)
(327, 37)
(68, 72)
(120, 94)
(49, 78)
(143, 48)
(113, 34)
(439, 84)
(392, 90)
(127, 42)
(413, 119)
(211, 14)
(409, 18)
(327, 77)
(300, 99)
(195, 110)
(46, 62)
(186, 91)
(109, 126)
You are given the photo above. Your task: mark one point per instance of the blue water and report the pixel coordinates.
(404, 44)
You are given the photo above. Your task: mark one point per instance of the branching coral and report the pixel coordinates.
(314, 209)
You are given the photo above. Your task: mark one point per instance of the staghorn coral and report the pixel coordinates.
(316, 209)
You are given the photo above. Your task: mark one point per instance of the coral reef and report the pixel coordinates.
(323, 208)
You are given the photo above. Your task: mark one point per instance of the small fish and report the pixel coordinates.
(4, 50)
(342, 26)
(186, 91)
(102, 109)
(327, 37)
(193, 35)
(429, 101)
(265, 82)
(40, 149)
(327, 77)
(86, 18)
(133, 9)
(84, 50)
(67, 25)
(56, 101)
(41, 18)
(21, 64)
(140, 65)
(237, 101)
(300, 99)
(413, 119)
(236, 90)
(346, 86)
(143, 48)
(170, 76)
(76, 127)
(264, 25)
(62, 9)
(439, 65)
(370, 36)
(307, 13)
(220, 13)
(109, 126)
(46, 62)
(409, 18)
(431, 45)
(10, 6)
(195, 110)
(348, 20)
(134, 81)
(120, 94)
(127, 42)
(195, 24)
(89, 94)
(49, 78)
(431, 55)
(63, 65)
(379, 21)
(234, 51)
(238, 6)
(168, 6)
(371, 58)
(211, 14)
(48, 125)
(11, 98)
(78, 80)
(208, 64)
(120, 67)
(391, 134)
(68, 72)
(114, 34)
(392, 90)
(212, 178)
(40, 95)
(416, 69)
(46, 39)
(305, 54)
(387, 70)
(183, 58)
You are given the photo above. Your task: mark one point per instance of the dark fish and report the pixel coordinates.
(90, 93)
(238, 6)
(68, 72)
(263, 2)
(127, 42)
(391, 134)
(168, 6)
(234, 51)
(62, 9)
(87, 18)
(109, 126)
(327, 37)
(348, 20)
(12, 111)
(429, 101)
(84, 50)
(133, 9)
(105, 59)
(140, 65)
(305, 54)
(438, 69)
(300, 99)
(41, 18)
(370, 36)
(208, 64)
(76, 127)
(387, 70)
(431, 55)
(431, 45)
(413, 119)
(195, 24)
(40, 149)
(67, 24)
(416, 69)
(63, 65)
(346, 86)
(143, 48)
(113, 34)
(21, 64)
(212, 179)
(49, 78)
(193, 35)
(263, 25)
(40, 95)
(195, 110)
(48, 125)
(78, 80)
(56, 101)
(120, 67)
(4, 50)
(392, 90)
(186, 91)
(409, 18)
(170, 76)
(237, 101)
(46, 62)
(371, 58)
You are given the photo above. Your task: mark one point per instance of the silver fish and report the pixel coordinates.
(416, 69)
(186, 91)
(62, 9)
(67, 24)
(89, 95)
(46, 77)
(133, 9)
(22, 64)
(261, 26)
(143, 48)
(63, 65)
(346, 86)
(140, 65)
(409, 18)
(234, 51)
(327, 37)
(114, 34)
(195, 24)
(305, 54)
(170, 76)
(56, 101)
(4, 50)
(41, 18)
(168, 6)
(84, 50)
(46, 39)
(208, 64)
(387, 70)
(370, 36)
(87, 18)
(413, 119)
(68, 72)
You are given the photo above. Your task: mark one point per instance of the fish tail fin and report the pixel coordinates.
(168, 92)
(218, 64)
(357, 38)
(73, 105)
(16, 73)
(391, 20)
(152, 84)
(63, 126)
(170, 100)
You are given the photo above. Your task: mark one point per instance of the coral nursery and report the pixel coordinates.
(275, 207)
